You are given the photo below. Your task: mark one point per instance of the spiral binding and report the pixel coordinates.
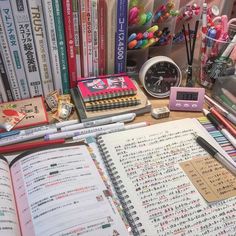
(129, 210)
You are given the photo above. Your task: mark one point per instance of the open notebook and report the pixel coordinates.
(158, 197)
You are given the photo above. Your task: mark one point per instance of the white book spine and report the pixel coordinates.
(40, 38)
(95, 36)
(7, 60)
(76, 20)
(84, 38)
(10, 29)
(3, 95)
(26, 42)
(52, 44)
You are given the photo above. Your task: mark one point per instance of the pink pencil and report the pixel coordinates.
(28, 146)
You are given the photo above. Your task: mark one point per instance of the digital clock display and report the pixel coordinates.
(187, 96)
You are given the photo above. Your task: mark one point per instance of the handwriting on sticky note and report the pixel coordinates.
(212, 180)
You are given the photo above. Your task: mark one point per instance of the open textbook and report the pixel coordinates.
(59, 191)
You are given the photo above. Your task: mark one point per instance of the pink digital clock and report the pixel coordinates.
(186, 99)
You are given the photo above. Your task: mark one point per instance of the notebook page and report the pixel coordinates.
(145, 163)
(9, 225)
(60, 192)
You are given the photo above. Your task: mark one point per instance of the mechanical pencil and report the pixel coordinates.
(223, 159)
(119, 118)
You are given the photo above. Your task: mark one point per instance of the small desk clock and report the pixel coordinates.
(186, 99)
(158, 75)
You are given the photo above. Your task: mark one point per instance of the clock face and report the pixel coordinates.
(160, 77)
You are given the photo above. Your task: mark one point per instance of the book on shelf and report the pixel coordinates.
(142, 108)
(11, 52)
(58, 190)
(38, 23)
(124, 101)
(60, 36)
(70, 40)
(106, 87)
(52, 44)
(27, 47)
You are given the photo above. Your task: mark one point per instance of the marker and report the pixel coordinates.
(221, 118)
(224, 160)
(72, 133)
(119, 118)
(26, 146)
(22, 137)
(9, 133)
(126, 127)
(219, 126)
(229, 95)
(223, 111)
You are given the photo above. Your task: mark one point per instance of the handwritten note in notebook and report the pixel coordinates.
(213, 181)
(144, 164)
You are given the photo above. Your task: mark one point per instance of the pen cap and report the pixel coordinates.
(206, 146)
(215, 55)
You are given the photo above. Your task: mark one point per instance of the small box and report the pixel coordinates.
(161, 112)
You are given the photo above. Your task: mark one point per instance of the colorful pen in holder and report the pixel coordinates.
(138, 15)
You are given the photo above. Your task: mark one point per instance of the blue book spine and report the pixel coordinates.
(121, 36)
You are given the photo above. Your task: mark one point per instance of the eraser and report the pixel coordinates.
(161, 112)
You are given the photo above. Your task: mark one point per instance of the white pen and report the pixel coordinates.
(72, 133)
(126, 127)
(120, 118)
(26, 136)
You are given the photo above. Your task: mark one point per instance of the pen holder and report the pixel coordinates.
(217, 58)
(224, 92)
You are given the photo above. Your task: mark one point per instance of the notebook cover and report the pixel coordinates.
(33, 107)
(110, 87)
(142, 108)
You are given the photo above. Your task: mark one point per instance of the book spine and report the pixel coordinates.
(26, 42)
(40, 39)
(102, 17)
(58, 18)
(111, 31)
(8, 62)
(121, 36)
(94, 19)
(52, 45)
(76, 20)
(5, 83)
(83, 27)
(3, 94)
(89, 37)
(10, 29)
(70, 42)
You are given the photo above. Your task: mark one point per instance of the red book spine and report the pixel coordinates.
(102, 9)
(70, 43)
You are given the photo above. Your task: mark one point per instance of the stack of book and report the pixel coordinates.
(108, 95)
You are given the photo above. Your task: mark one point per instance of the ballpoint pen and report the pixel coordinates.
(223, 159)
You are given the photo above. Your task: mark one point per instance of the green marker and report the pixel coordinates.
(227, 101)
